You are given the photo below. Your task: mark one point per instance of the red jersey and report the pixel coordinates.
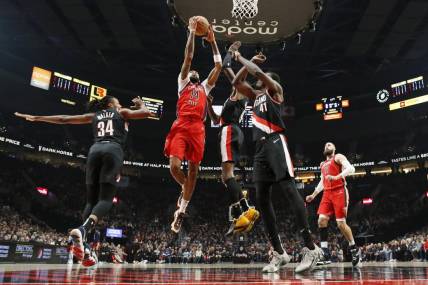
(192, 99)
(331, 167)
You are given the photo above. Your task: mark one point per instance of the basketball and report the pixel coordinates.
(202, 27)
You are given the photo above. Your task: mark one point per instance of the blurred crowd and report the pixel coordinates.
(145, 208)
(16, 228)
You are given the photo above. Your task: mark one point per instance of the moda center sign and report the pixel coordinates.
(251, 21)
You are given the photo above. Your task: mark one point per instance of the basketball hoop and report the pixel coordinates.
(245, 9)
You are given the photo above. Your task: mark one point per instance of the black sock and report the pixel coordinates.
(323, 235)
(227, 61)
(307, 238)
(235, 211)
(234, 189)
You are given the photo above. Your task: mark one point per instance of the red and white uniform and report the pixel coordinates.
(335, 198)
(186, 139)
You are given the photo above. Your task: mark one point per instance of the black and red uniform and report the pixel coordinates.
(272, 160)
(231, 137)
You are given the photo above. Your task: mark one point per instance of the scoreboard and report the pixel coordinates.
(69, 90)
(246, 120)
(155, 106)
(77, 92)
(332, 107)
(404, 94)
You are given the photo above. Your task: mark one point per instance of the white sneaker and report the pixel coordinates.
(309, 259)
(278, 261)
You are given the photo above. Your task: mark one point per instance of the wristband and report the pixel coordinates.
(217, 58)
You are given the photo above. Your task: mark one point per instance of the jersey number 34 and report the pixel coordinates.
(105, 127)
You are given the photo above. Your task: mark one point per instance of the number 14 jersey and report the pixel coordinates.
(109, 125)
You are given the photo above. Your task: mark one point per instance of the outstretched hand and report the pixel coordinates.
(236, 55)
(235, 46)
(259, 58)
(193, 22)
(26, 116)
(210, 35)
(138, 103)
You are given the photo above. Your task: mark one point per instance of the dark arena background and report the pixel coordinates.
(354, 72)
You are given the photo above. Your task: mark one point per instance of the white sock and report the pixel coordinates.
(183, 205)
(324, 244)
(352, 242)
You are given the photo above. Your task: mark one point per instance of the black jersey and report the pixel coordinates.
(232, 111)
(109, 125)
(266, 116)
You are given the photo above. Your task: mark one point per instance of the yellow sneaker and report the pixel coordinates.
(252, 215)
(238, 225)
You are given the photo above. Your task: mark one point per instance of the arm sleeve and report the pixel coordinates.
(347, 168)
(207, 87)
(320, 186)
(182, 82)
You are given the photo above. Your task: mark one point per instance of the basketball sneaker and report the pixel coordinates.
(309, 259)
(324, 258)
(77, 249)
(238, 225)
(252, 215)
(90, 258)
(178, 221)
(277, 261)
(356, 256)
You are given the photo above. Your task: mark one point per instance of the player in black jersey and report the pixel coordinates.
(272, 162)
(231, 138)
(110, 128)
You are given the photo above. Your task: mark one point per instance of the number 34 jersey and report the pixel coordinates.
(266, 116)
(109, 125)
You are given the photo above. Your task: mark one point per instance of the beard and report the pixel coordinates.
(194, 80)
(328, 152)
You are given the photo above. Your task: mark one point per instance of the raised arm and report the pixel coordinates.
(215, 72)
(59, 119)
(139, 111)
(274, 88)
(241, 84)
(214, 117)
(190, 49)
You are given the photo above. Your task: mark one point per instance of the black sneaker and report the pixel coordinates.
(356, 256)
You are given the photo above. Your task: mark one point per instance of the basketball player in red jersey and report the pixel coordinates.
(272, 163)
(335, 199)
(186, 139)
